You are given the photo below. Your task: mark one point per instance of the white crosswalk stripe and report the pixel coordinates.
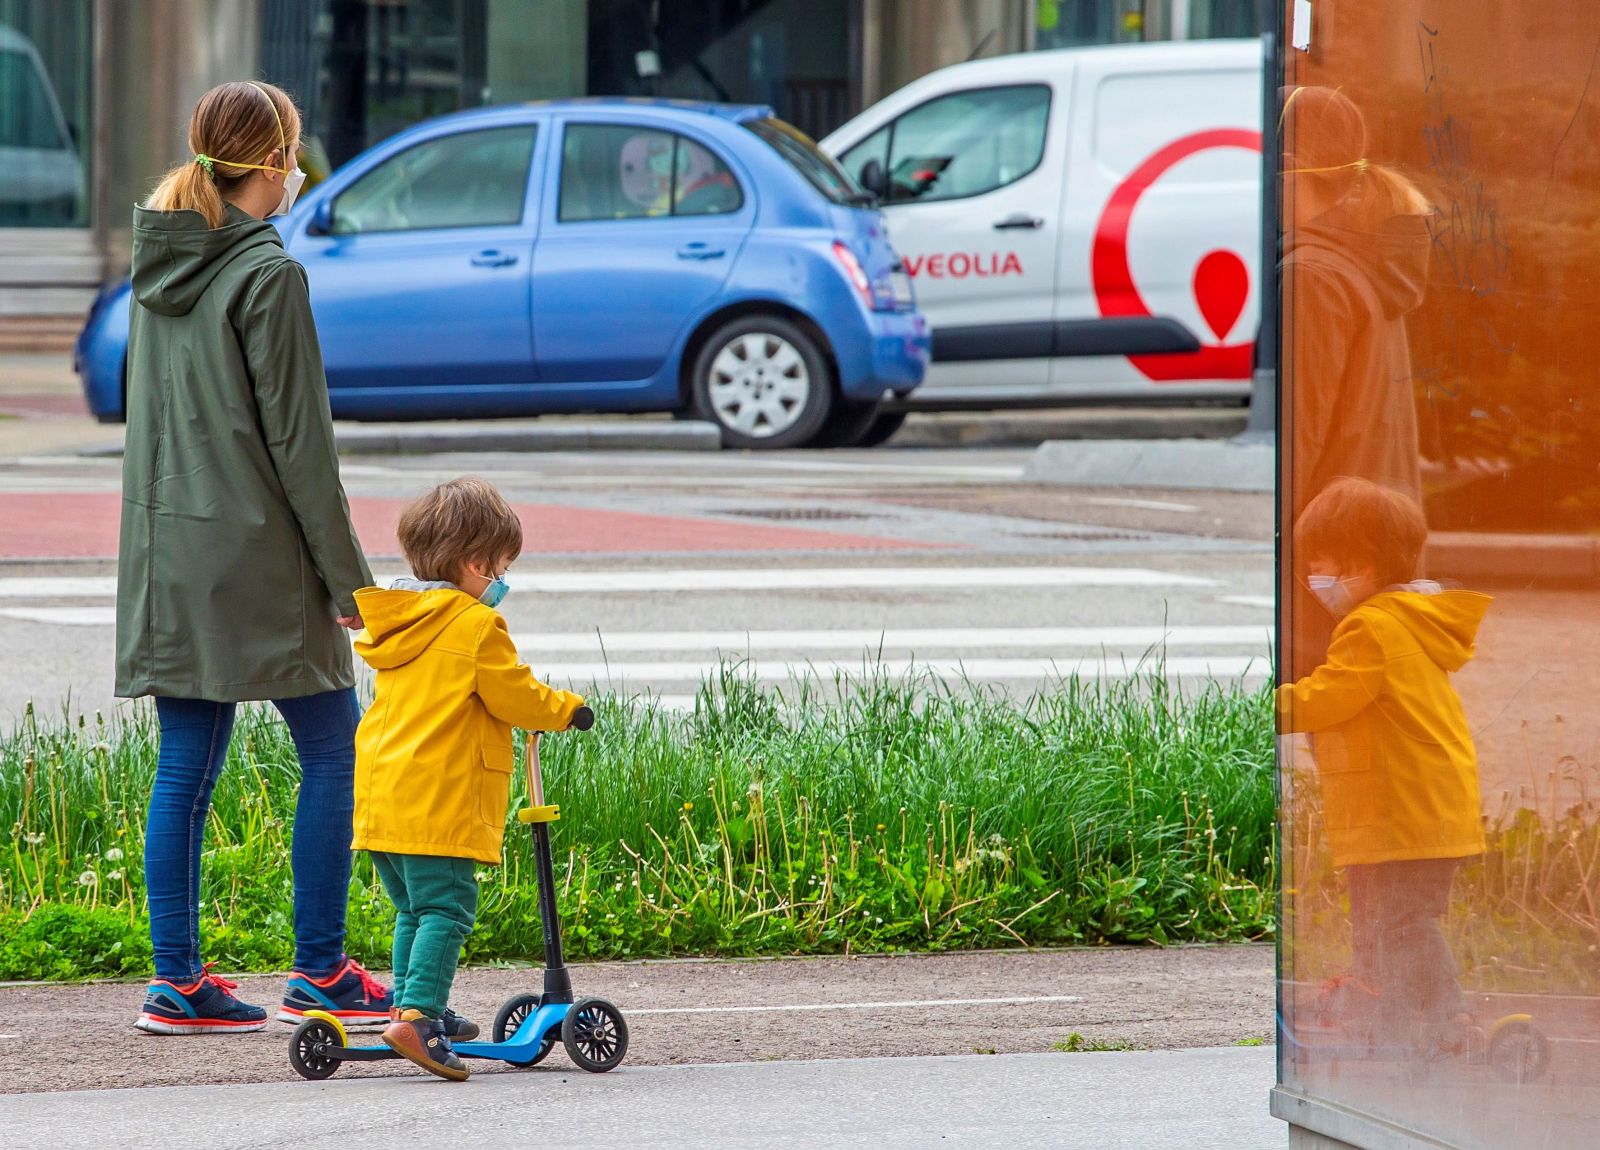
(720, 579)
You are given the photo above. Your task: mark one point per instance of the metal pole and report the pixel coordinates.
(1263, 423)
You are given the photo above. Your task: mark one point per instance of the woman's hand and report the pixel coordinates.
(352, 623)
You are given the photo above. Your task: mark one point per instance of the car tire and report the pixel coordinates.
(883, 429)
(764, 382)
(847, 424)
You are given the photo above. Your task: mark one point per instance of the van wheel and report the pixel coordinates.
(848, 423)
(764, 382)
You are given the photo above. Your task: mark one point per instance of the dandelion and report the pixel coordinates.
(115, 876)
(114, 854)
(618, 886)
(687, 807)
(88, 878)
(103, 748)
(35, 838)
(881, 828)
(879, 919)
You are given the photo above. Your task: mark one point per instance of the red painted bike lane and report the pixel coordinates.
(83, 525)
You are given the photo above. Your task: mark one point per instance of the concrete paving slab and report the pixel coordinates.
(1188, 464)
(1206, 1099)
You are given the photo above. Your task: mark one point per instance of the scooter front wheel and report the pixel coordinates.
(509, 1020)
(595, 1035)
(303, 1055)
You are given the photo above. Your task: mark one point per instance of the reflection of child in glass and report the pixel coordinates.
(1393, 750)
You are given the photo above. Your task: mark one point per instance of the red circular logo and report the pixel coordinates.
(1221, 280)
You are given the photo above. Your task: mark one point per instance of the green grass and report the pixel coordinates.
(1077, 1044)
(906, 816)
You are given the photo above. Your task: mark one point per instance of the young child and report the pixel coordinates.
(1391, 743)
(434, 751)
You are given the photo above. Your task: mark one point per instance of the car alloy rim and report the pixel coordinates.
(759, 385)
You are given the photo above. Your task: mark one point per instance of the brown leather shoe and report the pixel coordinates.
(421, 1040)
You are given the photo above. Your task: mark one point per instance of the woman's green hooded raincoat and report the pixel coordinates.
(237, 552)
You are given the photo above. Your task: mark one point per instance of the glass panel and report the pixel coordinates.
(610, 172)
(705, 186)
(967, 143)
(45, 100)
(1440, 750)
(857, 159)
(474, 179)
(814, 164)
(792, 55)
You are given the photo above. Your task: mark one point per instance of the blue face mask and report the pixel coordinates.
(495, 592)
(1333, 593)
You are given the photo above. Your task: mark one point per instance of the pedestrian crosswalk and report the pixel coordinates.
(680, 626)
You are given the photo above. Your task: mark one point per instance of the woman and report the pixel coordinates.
(238, 563)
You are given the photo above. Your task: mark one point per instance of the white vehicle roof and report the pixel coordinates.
(1045, 66)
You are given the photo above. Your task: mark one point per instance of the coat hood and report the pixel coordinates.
(1391, 255)
(1444, 623)
(401, 624)
(175, 256)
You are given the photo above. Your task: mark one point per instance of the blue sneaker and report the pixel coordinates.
(350, 994)
(207, 1006)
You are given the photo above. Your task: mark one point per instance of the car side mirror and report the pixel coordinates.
(321, 219)
(874, 180)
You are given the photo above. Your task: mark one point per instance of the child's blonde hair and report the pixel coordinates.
(1358, 521)
(460, 522)
(234, 128)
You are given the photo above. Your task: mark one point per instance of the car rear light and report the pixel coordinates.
(857, 274)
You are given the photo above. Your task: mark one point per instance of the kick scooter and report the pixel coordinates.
(526, 1027)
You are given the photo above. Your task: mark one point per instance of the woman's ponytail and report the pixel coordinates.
(188, 187)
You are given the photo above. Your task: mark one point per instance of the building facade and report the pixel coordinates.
(95, 94)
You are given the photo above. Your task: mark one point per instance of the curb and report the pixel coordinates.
(434, 438)
(943, 429)
(1179, 464)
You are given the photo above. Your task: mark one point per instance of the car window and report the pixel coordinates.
(470, 179)
(27, 114)
(962, 144)
(623, 172)
(813, 163)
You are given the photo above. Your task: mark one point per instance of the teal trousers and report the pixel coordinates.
(435, 902)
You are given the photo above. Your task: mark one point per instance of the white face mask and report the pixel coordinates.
(1332, 592)
(292, 183)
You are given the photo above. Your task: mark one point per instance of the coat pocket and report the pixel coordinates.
(494, 785)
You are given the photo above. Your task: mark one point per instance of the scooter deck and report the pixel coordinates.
(521, 1047)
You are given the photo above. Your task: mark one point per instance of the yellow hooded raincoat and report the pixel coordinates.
(1393, 749)
(434, 751)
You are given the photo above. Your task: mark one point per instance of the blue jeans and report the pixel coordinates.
(194, 744)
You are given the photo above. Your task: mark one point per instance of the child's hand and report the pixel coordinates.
(352, 623)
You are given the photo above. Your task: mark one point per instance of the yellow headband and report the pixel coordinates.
(206, 161)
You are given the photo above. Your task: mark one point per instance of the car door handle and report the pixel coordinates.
(1019, 220)
(699, 251)
(493, 259)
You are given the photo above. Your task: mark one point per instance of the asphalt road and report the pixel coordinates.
(643, 571)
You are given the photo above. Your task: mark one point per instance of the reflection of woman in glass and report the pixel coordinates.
(1355, 265)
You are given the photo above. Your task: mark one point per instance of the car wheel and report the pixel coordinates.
(848, 423)
(764, 382)
(883, 429)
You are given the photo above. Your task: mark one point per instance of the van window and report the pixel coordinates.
(27, 112)
(1133, 119)
(424, 187)
(621, 172)
(959, 145)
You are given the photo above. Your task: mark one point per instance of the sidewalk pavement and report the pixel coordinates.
(1202, 1099)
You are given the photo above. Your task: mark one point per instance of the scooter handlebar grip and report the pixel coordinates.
(582, 719)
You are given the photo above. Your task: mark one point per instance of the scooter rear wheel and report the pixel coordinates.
(1519, 1053)
(595, 1035)
(512, 1014)
(307, 1063)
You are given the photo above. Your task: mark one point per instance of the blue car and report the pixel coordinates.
(594, 256)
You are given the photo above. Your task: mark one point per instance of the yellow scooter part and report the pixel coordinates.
(324, 1016)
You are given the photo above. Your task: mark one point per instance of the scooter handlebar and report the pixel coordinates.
(582, 719)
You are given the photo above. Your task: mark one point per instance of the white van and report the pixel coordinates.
(41, 176)
(1081, 224)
